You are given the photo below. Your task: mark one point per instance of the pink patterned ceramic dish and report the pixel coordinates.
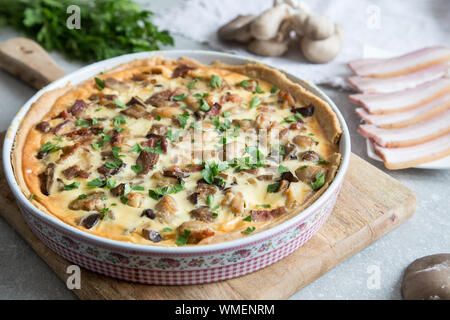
(175, 265)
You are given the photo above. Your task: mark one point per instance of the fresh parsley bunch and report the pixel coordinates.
(108, 27)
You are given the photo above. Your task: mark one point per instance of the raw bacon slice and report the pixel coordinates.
(404, 64)
(401, 158)
(356, 64)
(406, 118)
(408, 136)
(399, 83)
(404, 100)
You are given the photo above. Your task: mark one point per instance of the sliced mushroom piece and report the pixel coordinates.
(265, 215)
(136, 111)
(78, 107)
(166, 207)
(235, 200)
(135, 199)
(136, 100)
(308, 173)
(91, 202)
(43, 126)
(47, 178)
(310, 156)
(158, 129)
(147, 160)
(283, 185)
(90, 221)
(288, 176)
(306, 112)
(151, 235)
(115, 84)
(181, 70)
(202, 213)
(289, 152)
(198, 230)
(303, 142)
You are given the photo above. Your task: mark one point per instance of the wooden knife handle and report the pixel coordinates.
(27, 60)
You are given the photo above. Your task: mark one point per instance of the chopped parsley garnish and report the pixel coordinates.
(117, 121)
(71, 186)
(192, 84)
(33, 196)
(215, 81)
(322, 161)
(110, 183)
(255, 102)
(179, 97)
(264, 205)
(112, 165)
(318, 182)
(226, 114)
(98, 145)
(282, 169)
(49, 147)
(96, 183)
(259, 90)
(273, 187)
(221, 126)
(119, 104)
(273, 90)
(100, 84)
(293, 118)
(136, 168)
(183, 238)
(138, 188)
(182, 119)
(57, 139)
(212, 170)
(248, 218)
(209, 200)
(243, 83)
(136, 148)
(204, 106)
(82, 196)
(166, 229)
(160, 192)
(82, 123)
(249, 230)
(173, 136)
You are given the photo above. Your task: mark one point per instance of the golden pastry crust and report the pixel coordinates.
(144, 78)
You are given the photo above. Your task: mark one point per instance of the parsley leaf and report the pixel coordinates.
(273, 90)
(243, 83)
(160, 192)
(318, 182)
(179, 97)
(119, 104)
(249, 230)
(212, 170)
(215, 81)
(182, 119)
(99, 83)
(183, 238)
(272, 188)
(71, 186)
(282, 169)
(255, 102)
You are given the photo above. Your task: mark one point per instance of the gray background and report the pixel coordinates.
(23, 275)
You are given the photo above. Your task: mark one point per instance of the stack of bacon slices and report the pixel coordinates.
(405, 105)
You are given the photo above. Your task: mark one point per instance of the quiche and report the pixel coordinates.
(173, 152)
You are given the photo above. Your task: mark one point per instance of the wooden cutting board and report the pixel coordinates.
(370, 204)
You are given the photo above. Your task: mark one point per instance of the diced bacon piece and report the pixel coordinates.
(406, 118)
(408, 136)
(399, 83)
(381, 103)
(401, 158)
(404, 64)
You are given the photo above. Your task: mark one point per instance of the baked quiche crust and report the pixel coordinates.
(173, 152)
